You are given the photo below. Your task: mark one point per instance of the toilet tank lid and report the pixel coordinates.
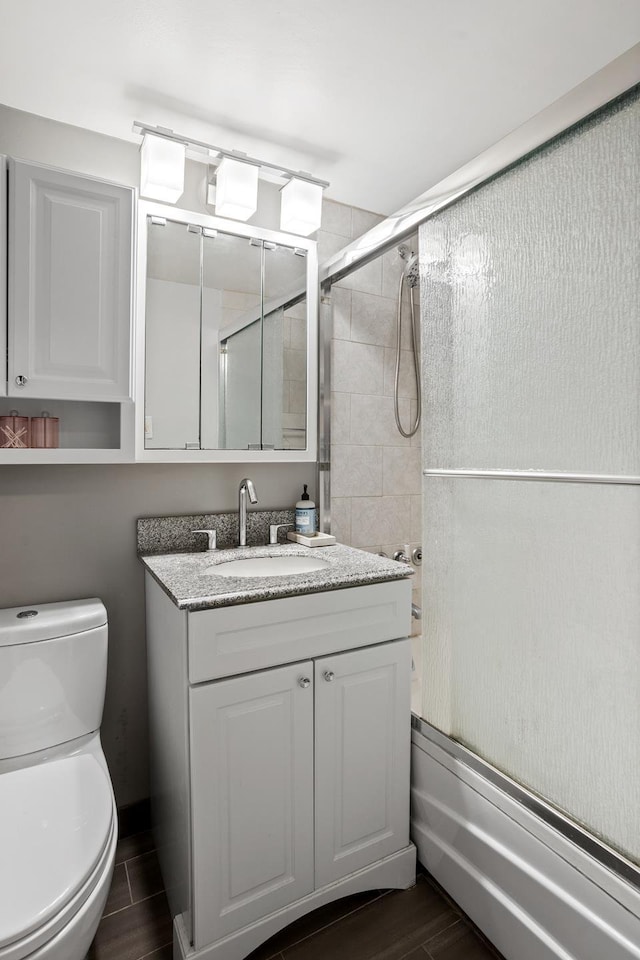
(48, 621)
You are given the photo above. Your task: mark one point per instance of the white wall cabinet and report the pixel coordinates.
(296, 775)
(66, 341)
(70, 274)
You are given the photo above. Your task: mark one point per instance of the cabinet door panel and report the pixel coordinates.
(362, 737)
(70, 286)
(252, 801)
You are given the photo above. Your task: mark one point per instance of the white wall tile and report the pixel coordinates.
(373, 319)
(298, 333)
(329, 244)
(297, 311)
(295, 364)
(340, 417)
(368, 453)
(401, 471)
(367, 278)
(363, 220)
(380, 520)
(341, 519)
(341, 308)
(297, 396)
(293, 421)
(407, 383)
(336, 218)
(357, 367)
(373, 420)
(286, 331)
(356, 471)
(416, 518)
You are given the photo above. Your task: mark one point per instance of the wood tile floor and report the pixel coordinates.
(415, 924)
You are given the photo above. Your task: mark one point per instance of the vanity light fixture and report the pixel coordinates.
(235, 191)
(162, 168)
(300, 206)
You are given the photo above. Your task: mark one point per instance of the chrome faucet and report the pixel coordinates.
(246, 489)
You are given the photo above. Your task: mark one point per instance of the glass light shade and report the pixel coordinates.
(236, 189)
(300, 207)
(162, 168)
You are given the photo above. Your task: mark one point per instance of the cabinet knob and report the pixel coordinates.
(329, 675)
(20, 380)
(304, 682)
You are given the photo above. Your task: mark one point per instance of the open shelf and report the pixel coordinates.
(90, 432)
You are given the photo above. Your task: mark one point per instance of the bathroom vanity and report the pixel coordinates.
(280, 738)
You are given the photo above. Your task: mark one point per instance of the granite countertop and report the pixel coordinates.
(182, 577)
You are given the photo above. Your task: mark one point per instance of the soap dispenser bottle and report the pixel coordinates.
(305, 515)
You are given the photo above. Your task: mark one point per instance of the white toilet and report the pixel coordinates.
(58, 825)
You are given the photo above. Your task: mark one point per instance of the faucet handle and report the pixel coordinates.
(273, 531)
(211, 538)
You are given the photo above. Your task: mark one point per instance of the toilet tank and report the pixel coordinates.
(53, 671)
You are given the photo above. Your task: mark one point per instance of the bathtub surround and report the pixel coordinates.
(375, 472)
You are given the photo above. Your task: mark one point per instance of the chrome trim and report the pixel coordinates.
(211, 538)
(533, 475)
(246, 489)
(618, 77)
(553, 817)
(325, 330)
(273, 531)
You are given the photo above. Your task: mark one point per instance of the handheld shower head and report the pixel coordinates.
(411, 270)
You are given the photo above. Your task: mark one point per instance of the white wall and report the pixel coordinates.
(69, 531)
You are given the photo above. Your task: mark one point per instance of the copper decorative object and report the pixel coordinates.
(14, 430)
(45, 431)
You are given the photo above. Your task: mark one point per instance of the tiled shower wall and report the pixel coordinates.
(375, 472)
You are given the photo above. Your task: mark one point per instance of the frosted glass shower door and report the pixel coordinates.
(531, 364)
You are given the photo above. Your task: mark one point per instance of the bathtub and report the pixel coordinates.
(535, 883)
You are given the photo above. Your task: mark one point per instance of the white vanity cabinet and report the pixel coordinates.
(278, 789)
(70, 275)
(252, 799)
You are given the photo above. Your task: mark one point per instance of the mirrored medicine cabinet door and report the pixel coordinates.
(229, 342)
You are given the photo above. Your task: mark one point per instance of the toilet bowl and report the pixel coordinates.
(58, 823)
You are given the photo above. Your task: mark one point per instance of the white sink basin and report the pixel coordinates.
(266, 567)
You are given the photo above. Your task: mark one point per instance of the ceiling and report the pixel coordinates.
(382, 99)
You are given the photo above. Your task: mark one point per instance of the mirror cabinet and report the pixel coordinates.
(226, 340)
